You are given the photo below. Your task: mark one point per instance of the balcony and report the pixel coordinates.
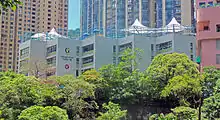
(164, 50)
(51, 54)
(88, 52)
(87, 64)
(206, 35)
(209, 5)
(25, 56)
(52, 65)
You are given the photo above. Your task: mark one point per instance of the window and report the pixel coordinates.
(164, 47)
(88, 48)
(218, 44)
(210, 4)
(191, 57)
(87, 60)
(114, 60)
(202, 4)
(77, 61)
(203, 25)
(152, 57)
(51, 61)
(125, 46)
(218, 28)
(51, 49)
(77, 73)
(152, 47)
(206, 28)
(24, 52)
(191, 47)
(114, 49)
(217, 58)
(77, 50)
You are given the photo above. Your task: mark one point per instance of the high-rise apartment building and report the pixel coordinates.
(121, 14)
(182, 10)
(91, 16)
(33, 16)
(208, 32)
(109, 17)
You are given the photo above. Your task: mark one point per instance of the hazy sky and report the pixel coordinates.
(74, 14)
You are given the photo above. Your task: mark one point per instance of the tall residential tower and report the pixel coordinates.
(182, 10)
(32, 17)
(109, 17)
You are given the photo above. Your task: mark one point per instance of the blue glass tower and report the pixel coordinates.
(159, 13)
(115, 18)
(91, 17)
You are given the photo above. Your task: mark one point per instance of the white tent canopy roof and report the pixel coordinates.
(173, 22)
(51, 34)
(137, 27)
(37, 35)
(137, 24)
(54, 32)
(173, 26)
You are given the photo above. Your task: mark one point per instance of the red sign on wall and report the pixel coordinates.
(67, 66)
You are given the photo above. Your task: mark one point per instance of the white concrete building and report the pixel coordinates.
(65, 56)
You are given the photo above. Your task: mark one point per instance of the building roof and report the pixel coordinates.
(173, 26)
(137, 24)
(137, 27)
(37, 35)
(54, 32)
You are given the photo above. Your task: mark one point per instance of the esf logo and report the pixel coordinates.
(67, 50)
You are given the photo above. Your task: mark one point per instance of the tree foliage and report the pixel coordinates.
(113, 112)
(92, 77)
(121, 82)
(19, 92)
(184, 88)
(5, 4)
(164, 67)
(43, 113)
(171, 78)
(36, 68)
(211, 106)
(185, 113)
(76, 96)
(211, 76)
(178, 113)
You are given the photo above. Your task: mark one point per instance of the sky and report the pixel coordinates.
(74, 14)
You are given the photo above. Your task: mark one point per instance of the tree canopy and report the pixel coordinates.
(166, 66)
(184, 88)
(211, 106)
(5, 4)
(113, 112)
(171, 80)
(43, 113)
